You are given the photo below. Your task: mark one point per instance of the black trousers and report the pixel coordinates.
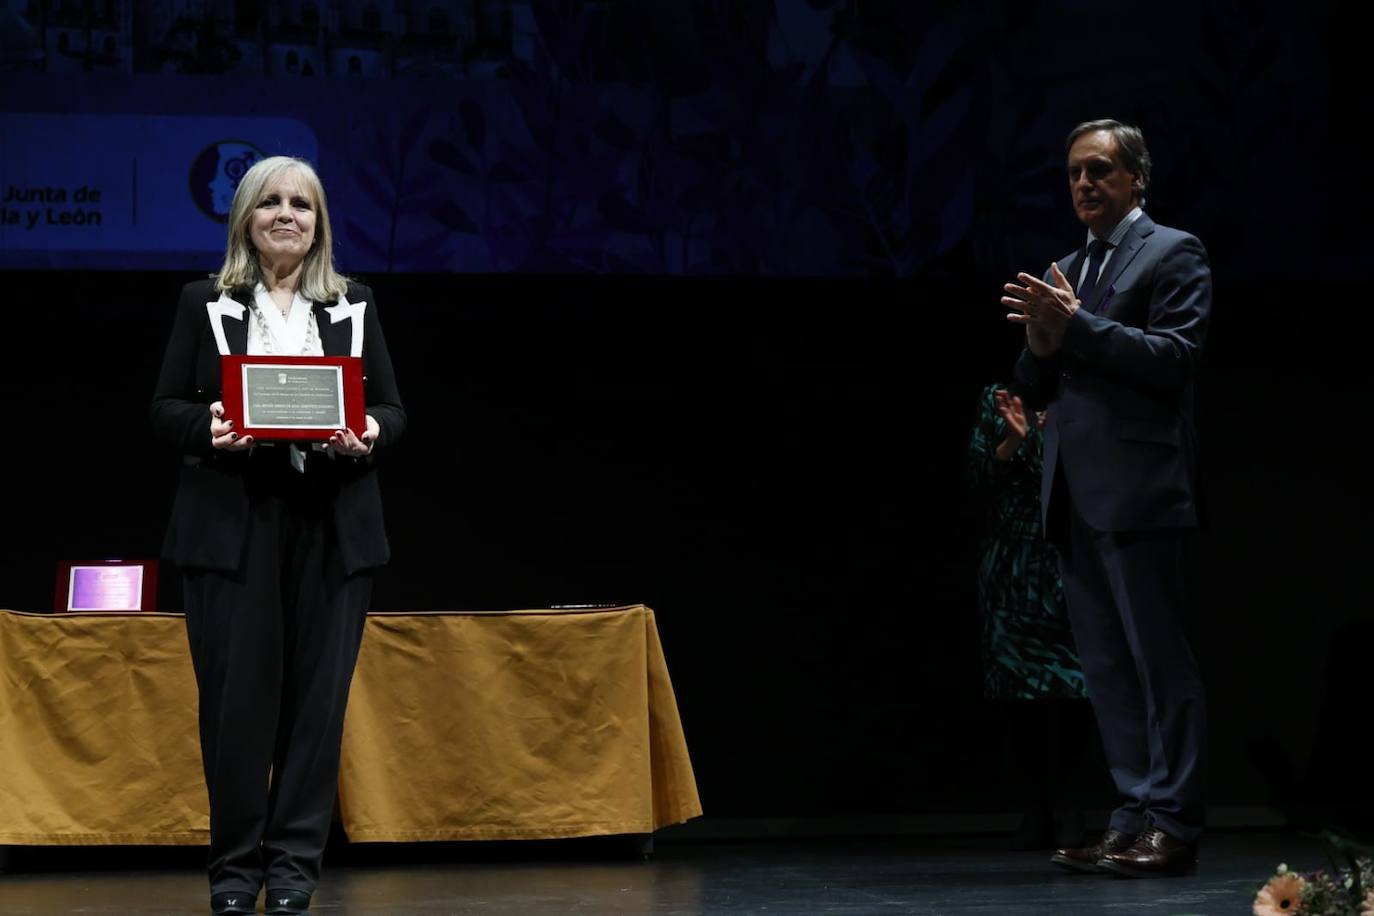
(1125, 594)
(274, 646)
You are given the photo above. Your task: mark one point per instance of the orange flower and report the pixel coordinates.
(1281, 896)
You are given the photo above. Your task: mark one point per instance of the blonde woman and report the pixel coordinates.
(277, 543)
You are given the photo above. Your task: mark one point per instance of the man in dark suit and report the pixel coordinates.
(1113, 342)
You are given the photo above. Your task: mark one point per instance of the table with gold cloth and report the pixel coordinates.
(461, 726)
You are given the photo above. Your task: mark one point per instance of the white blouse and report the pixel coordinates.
(294, 334)
(271, 333)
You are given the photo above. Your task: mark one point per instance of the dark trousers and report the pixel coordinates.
(274, 647)
(1125, 594)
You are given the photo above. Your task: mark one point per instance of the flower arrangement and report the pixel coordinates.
(1346, 888)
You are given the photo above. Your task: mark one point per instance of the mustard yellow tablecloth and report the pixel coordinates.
(519, 724)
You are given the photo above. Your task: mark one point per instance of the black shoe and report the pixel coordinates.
(286, 903)
(1155, 854)
(229, 902)
(1086, 858)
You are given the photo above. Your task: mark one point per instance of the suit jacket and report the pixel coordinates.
(1119, 431)
(209, 524)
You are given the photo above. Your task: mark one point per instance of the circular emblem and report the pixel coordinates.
(215, 175)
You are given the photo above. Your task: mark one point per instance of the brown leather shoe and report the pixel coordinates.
(1155, 854)
(1085, 858)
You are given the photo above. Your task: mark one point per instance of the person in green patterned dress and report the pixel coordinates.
(1027, 649)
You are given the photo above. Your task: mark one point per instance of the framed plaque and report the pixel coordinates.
(293, 398)
(105, 585)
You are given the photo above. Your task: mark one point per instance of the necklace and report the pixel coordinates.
(269, 340)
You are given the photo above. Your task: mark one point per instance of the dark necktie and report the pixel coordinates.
(1097, 253)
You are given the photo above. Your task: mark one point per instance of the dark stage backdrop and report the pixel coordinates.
(690, 304)
(775, 467)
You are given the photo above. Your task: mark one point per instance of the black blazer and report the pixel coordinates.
(1119, 428)
(209, 523)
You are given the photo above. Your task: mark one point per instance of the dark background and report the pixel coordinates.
(765, 442)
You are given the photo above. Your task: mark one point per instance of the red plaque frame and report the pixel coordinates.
(355, 417)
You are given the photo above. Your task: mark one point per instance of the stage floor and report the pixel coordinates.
(840, 877)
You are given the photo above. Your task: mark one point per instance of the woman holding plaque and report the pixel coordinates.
(277, 542)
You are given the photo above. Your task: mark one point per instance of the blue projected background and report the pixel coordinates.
(112, 185)
(150, 190)
(756, 137)
(673, 137)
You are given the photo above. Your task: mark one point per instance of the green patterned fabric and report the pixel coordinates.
(1028, 651)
